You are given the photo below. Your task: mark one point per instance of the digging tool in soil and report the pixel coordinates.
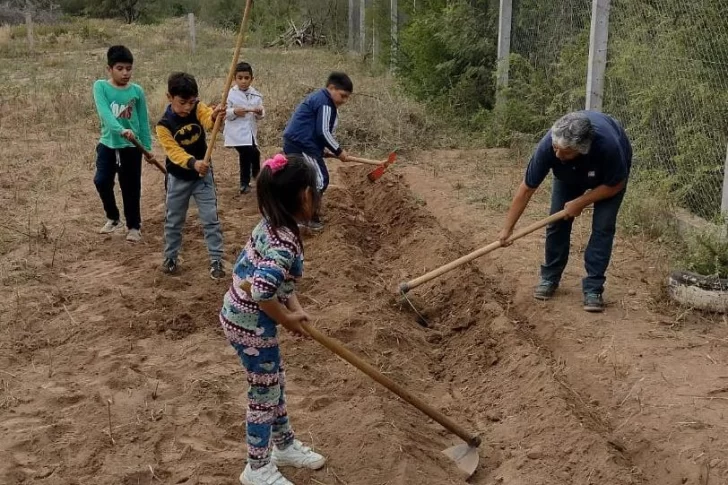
(149, 157)
(465, 455)
(407, 286)
(377, 173)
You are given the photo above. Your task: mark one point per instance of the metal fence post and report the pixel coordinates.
(724, 200)
(394, 33)
(362, 26)
(350, 39)
(504, 45)
(598, 43)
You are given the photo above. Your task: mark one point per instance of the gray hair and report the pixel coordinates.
(573, 130)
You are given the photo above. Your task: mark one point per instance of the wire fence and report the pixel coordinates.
(540, 41)
(666, 80)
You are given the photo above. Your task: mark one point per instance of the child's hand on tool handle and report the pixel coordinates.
(293, 322)
(128, 134)
(201, 167)
(343, 156)
(217, 110)
(241, 111)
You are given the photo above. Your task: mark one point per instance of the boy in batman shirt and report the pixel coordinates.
(181, 132)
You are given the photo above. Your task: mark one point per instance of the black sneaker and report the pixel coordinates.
(169, 266)
(545, 290)
(216, 271)
(593, 302)
(244, 189)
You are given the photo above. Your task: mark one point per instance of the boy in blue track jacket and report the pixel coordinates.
(311, 130)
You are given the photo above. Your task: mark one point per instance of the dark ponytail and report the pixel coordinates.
(280, 186)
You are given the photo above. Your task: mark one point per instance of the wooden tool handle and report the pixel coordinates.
(150, 158)
(229, 81)
(364, 160)
(351, 158)
(405, 287)
(338, 348)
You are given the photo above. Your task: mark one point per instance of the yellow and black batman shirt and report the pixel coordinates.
(183, 139)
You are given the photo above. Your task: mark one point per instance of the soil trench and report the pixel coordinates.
(114, 373)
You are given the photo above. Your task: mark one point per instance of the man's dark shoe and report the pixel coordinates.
(545, 290)
(244, 189)
(593, 302)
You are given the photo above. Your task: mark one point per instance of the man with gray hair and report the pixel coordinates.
(590, 156)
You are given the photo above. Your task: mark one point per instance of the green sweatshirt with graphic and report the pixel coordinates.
(122, 109)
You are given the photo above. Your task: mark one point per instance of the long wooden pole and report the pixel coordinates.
(338, 348)
(405, 287)
(229, 81)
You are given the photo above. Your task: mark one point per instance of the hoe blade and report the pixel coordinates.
(465, 457)
(377, 173)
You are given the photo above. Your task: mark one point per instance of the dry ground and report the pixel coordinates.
(111, 372)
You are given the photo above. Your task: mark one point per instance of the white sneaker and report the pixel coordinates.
(267, 475)
(110, 227)
(134, 235)
(297, 455)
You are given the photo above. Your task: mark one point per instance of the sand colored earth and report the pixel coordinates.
(94, 335)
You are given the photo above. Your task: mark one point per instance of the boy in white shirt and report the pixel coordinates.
(244, 109)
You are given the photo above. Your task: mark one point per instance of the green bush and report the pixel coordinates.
(707, 255)
(447, 56)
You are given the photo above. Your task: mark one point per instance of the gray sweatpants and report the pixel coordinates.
(179, 193)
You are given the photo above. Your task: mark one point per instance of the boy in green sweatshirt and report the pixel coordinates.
(122, 108)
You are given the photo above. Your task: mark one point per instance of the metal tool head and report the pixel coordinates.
(465, 457)
(420, 317)
(377, 173)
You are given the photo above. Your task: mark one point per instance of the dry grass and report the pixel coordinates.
(5, 35)
(48, 125)
(376, 120)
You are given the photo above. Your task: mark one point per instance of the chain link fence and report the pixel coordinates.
(667, 81)
(542, 42)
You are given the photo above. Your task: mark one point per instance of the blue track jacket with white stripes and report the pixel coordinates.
(312, 126)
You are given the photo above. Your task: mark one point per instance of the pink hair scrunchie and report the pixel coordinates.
(276, 163)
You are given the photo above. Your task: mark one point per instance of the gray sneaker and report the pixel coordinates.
(545, 290)
(593, 302)
(134, 235)
(216, 270)
(315, 226)
(110, 227)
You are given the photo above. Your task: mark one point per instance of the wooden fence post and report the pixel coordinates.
(29, 27)
(193, 31)
(362, 26)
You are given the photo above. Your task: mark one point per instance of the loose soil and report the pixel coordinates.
(113, 373)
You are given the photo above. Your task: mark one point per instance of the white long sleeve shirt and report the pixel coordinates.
(242, 130)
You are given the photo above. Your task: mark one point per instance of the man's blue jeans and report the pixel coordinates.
(598, 251)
